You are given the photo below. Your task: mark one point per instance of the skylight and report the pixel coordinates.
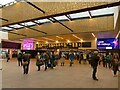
(16, 26)
(79, 15)
(6, 28)
(28, 23)
(104, 11)
(61, 17)
(5, 3)
(42, 21)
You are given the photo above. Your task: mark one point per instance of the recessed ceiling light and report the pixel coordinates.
(68, 41)
(56, 41)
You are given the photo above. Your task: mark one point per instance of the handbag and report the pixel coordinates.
(38, 63)
(25, 63)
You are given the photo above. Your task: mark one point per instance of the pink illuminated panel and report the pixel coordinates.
(28, 45)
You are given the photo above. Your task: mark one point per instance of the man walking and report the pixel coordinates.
(94, 64)
(26, 62)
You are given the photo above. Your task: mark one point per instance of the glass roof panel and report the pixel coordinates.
(28, 23)
(4, 2)
(61, 17)
(16, 26)
(79, 15)
(104, 11)
(6, 28)
(42, 21)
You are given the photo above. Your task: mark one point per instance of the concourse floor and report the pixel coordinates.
(0, 74)
(77, 76)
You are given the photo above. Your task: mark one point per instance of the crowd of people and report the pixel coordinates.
(50, 60)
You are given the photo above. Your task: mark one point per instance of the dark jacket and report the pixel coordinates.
(26, 57)
(94, 60)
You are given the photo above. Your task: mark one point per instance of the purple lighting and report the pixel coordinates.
(28, 44)
(115, 43)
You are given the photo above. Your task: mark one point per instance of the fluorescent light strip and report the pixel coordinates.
(48, 38)
(117, 34)
(59, 37)
(76, 36)
(93, 35)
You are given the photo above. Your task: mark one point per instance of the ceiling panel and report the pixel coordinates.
(52, 29)
(78, 26)
(23, 11)
(92, 25)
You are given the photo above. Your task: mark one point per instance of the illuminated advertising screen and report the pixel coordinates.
(28, 45)
(107, 43)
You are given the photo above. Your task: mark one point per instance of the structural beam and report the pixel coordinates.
(90, 14)
(33, 29)
(68, 17)
(4, 19)
(35, 6)
(63, 25)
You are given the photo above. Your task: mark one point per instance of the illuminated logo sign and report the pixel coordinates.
(28, 45)
(108, 43)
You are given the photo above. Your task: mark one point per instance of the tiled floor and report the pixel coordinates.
(77, 76)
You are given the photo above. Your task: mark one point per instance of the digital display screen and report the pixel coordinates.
(107, 43)
(86, 44)
(28, 45)
(12, 45)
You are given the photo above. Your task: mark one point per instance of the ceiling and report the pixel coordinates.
(63, 19)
